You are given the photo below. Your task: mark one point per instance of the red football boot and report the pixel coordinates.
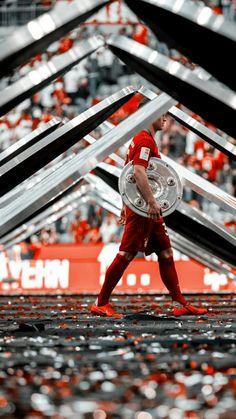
(105, 310)
(188, 310)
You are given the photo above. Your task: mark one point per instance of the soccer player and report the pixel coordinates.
(143, 234)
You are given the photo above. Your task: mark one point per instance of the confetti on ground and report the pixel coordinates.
(58, 361)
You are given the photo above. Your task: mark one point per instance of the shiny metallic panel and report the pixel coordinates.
(103, 189)
(204, 232)
(193, 125)
(70, 173)
(36, 79)
(213, 102)
(34, 37)
(208, 135)
(96, 190)
(202, 218)
(46, 217)
(119, 161)
(203, 187)
(30, 183)
(34, 228)
(38, 155)
(62, 206)
(195, 30)
(30, 138)
(164, 182)
(200, 255)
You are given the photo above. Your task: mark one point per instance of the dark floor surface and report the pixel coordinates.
(58, 361)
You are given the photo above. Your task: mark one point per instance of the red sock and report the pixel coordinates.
(170, 279)
(113, 275)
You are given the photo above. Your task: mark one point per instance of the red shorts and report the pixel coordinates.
(143, 234)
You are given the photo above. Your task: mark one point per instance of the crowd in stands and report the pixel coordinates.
(87, 83)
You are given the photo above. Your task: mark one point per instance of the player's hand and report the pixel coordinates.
(122, 219)
(154, 210)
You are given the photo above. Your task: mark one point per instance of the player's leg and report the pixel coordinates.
(133, 240)
(168, 272)
(169, 275)
(112, 277)
(170, 278)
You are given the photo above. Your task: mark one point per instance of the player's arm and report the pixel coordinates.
(154, 209)
(122, 218)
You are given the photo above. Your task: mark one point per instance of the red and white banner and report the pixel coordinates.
(71, 268)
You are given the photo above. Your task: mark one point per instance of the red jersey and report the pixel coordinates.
(141, 149)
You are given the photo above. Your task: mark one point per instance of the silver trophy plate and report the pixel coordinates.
(165, 183)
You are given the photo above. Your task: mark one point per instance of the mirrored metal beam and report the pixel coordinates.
(204, 219)
(205, 133)
(70, 173)
(61, 209)
(195, 30)
(36, 79)
(62, 206)
(38, 155)
(203, 232)
(196, 253)
(48, 216)
(106, 192)
(30, 183)
(39, 176)
(206, 98)
(28, 140)
(119, 161)
(193, 125)
(204, 188)
(34, 37)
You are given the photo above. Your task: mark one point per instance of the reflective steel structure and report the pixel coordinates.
(36, 79)
(195, 30)
(32, 38)
(213, 102)
(30, 194)
(38, 155)
(194, 251)
(70, 174)
(31, 138)
(46, 217)
(193, 125)
(205, 233)
(30, 183)
(203, 187)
